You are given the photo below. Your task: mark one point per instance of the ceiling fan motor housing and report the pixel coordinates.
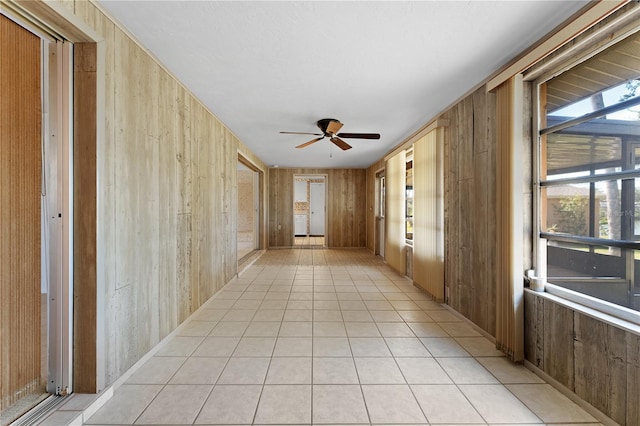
(324, 123)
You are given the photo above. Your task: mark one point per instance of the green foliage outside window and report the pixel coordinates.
(572, 215)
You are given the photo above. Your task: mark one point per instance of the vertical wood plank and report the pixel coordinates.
(359, 207)
(184, 192)
(84, 219)
(479, 226)
(491, 190)
(600, 366)
(633, 379)
(558, 343)
(534, 329)
(168, 318)
(466, 144)
(530, 325)
(451, 210)
(105, 154)
(467, 297)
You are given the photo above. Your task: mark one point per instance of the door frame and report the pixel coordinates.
(258, 183)
(379, 216)
(61, 307)
(56, 205)
(88, 230)
(311, 176)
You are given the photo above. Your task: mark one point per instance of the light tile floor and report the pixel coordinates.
(309, 241)
(331, 337)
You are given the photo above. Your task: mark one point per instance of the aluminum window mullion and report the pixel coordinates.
(595, 114)
(604, 242)
(628, 174)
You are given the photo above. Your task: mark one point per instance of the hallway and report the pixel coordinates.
(330, 337)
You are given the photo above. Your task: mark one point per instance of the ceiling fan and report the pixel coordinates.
(330, 128)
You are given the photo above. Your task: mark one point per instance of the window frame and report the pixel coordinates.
(408, 196)
(541, 237)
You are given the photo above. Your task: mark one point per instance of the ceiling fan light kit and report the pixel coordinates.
(330, 128)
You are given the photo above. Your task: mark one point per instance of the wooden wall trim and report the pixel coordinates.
(262, 219)
(619, 25)
(424, 130)
(591, 14)
(84, 219)
(55, 19)
(509, 240)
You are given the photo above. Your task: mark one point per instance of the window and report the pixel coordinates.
(589, 175)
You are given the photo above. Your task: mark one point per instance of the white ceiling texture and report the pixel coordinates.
(385, 67)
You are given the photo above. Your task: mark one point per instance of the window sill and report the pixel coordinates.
(569, 299)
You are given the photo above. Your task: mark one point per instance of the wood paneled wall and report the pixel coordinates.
(166, 212)
(470, 203)
(20, 195)
(597, 361)
(345, 209)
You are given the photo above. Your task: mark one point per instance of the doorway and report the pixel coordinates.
(309, 211)
(380, 210)
(35, 158)
(248, 203)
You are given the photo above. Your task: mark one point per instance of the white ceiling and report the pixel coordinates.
(384, 67)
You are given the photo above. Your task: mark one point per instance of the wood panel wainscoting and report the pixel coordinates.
(20, 191)
(596, 360)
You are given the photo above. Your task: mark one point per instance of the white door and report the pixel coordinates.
(316, 209)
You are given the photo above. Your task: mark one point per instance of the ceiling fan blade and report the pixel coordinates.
(333, 127)
(340, 143)
(310, 142)
(360, 135)
(301, 133)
